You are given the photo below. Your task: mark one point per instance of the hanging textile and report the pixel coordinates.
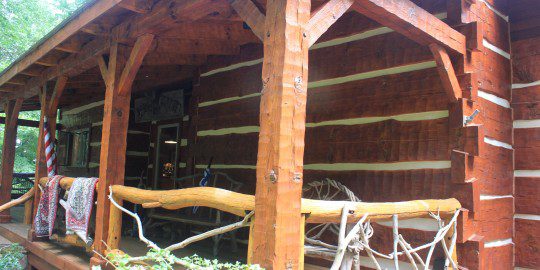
(49, 148)
(79, 205)
(48, 204)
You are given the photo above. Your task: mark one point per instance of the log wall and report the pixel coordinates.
(378, 120)
(525, 31)
(91, 116)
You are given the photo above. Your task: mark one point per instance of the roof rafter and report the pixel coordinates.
(413, 22)
(72, 27)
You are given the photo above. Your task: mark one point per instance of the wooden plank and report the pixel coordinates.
(11, 109)
(26, 123)
(526, 195)
(527, 241)
(134, 63)
(412, 21)
(276, 243)
(324, 17)
(56, 94)
(499, 257)
(70, 66)
(195, 46)
(138, 6)
(41, 163)
(163, 15)
(527, 149)
(446, 71)
(67, 31)
(250, 13)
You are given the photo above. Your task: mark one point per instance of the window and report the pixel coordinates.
(73, 148)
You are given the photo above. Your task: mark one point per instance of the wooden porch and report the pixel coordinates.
(405, 116)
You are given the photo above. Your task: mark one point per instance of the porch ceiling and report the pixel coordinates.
(187, 33)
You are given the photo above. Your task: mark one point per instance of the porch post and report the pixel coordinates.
(277, 233)
(11, 108)
(118, 75)
(41, 163)
(49, 108)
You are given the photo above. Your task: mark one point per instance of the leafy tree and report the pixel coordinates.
(22, 24)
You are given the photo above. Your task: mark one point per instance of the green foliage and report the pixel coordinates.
(11, 256)
(25, 149)
(162, 259)
(24, 22)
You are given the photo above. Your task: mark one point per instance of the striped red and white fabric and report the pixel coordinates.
(49, 149)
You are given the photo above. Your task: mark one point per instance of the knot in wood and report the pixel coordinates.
(289, 265)
(272, 176)
(298, 84)
(119, 113)
(297, 178)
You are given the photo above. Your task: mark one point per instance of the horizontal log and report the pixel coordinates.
(527, 241)
(527, 194)
(494, 219)
(319, 211)
(498, 257)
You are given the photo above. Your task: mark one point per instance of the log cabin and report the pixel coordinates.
(398, 100)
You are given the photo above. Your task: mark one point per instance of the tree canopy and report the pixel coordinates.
(23, 23)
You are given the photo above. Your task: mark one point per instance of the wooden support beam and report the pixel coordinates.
(41, 163)
(225, 31)
(134, 63)
(33, 71)
(70, 66)
(138, 6)
(57, 93)
(48, 61)
(277, 237)
(164, 14)
(26, 123)
(324, 17)
(96, 29)
(118, 75)
(72, 45)
(12, 109)
(194, 46)
(250, 13)
(413, 22)
(166, 59)
(17, 81)
(446, 72)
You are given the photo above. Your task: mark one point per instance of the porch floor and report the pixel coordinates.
(54, 255)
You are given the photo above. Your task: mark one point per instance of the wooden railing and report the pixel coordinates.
(313, 211)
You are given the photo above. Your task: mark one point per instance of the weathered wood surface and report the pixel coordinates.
(118, 76)
(71, 28)
(525, 105)
(277, 238)
(12, 109)
(412, 21)
(319, 211)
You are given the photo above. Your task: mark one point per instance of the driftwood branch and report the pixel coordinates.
(27, 196)
(221, 230)
(136, 217)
